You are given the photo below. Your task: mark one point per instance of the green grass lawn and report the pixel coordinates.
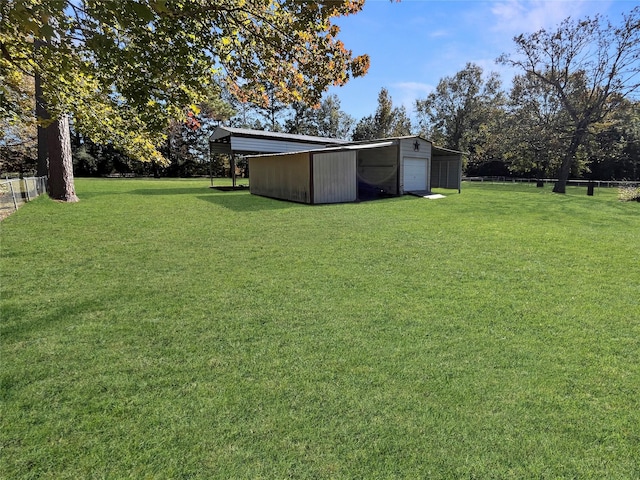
(161, 329)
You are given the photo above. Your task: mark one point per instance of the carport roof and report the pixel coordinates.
(337, 148)
(366, 144)
(254, 141)
(222, 132)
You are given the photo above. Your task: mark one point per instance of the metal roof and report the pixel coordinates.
(434, 148)
(337, 148)
(222, 132)
(244, 141)
(444, 151)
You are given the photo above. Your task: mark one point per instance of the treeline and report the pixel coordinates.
(517, 132)
(570, 111)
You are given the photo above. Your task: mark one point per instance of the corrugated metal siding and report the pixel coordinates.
(247, 144)
(334, 177)
(222, 132)
(286, 177)
(408, 150)
(378, 167)
(446, 171)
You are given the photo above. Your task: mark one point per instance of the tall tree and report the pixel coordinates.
(41, 114)
(323, 120)
(122, 69)
(60, 161)
(302, 120)
(460, 108)
(271, 109)
(364, 129)
(332, 121)
(387, 121)
(246, 115)
(614, 152)
(187, 143)
(535, 131)
(589, 64)
(17, 124)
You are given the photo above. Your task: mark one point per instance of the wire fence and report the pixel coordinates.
(542, 181)
(15, 192)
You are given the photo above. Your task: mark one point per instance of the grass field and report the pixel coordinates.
(161, 329)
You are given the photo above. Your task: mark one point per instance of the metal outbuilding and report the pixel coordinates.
(357, 171)
(240, 142)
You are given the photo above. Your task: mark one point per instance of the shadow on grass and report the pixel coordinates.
(245, 202)
(239, 200)
(20, 325)
(169, 191)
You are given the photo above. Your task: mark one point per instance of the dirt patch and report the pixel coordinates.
(5, 212)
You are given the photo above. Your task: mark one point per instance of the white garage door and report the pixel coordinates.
(415, 174)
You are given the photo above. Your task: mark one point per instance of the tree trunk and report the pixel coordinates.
(565, 168)
(563, 174)
(61, 185)
(41, 114)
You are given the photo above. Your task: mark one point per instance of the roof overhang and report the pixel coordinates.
(242, 141)
(343, 148)
(441, 152)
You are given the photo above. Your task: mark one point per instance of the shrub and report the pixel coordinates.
(628, 193)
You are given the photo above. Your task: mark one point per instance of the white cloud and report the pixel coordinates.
(406, 93)
(439, 33)
(414, 86)
(526, 16)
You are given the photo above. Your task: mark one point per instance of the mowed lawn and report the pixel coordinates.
(161, 329)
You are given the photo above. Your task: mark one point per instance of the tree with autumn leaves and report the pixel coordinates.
(121, 70)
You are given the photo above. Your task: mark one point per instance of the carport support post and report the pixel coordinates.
(210, 165)
(233, 170)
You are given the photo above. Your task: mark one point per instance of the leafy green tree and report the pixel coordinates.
(614, 152)
(122, 69)
(365, 129)
(302, 120)
(402, 122)
(18, 149)
(272, 110)
(383, 119)
(460, 112)
(331, 121)
(535, 131)
(216, 108)
(632, 148)
(324, 120)
(245, 116)
(187, 145)
(588, 64)
(387, 121)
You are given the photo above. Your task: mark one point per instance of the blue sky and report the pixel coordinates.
(414, 43)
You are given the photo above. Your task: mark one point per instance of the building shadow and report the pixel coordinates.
(243, 201)
(168, 191)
